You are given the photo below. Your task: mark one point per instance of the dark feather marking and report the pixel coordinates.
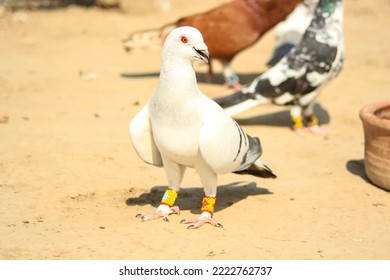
(254, 152)
(254, 170)
(241, 134)
(245, 136)
(254, 146)
(310, 55)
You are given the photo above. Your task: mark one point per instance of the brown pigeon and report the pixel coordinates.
(227, 29)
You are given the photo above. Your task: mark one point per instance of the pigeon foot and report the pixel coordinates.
(163, 211)
(236, 86)
(200, 221)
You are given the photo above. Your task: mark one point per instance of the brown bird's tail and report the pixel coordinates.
(147, 39)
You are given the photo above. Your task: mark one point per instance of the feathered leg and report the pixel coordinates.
(175, 174)
(299, 122)
(231, 78)
(296, 117)
(305, 108)
(312, 122)
(209, 181)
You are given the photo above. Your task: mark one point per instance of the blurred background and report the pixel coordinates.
(68, 90)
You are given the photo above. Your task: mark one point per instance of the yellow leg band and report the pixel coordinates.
(311, 120)
(298, 122)
(208, 204)
(169, 197)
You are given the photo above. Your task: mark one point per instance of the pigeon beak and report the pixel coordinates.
(202, 53)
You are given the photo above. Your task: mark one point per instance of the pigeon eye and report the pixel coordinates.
(183, 39)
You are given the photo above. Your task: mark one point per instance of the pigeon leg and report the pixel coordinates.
(314, 128)
(296, 117)
(232, 83)
(209, 182)
(206, 216)
(175, 174)
(165, 209)
(310, 120)
(298, 125)
(231, 78)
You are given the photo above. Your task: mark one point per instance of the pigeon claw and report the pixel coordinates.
(174, 210)
(158, 214)
(198, 222)
(149, 216)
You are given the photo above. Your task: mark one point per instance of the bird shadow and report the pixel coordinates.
(218, 78)
(283, 118)
(191, 198)
(356, 167)
(140, 75)
(201, 77)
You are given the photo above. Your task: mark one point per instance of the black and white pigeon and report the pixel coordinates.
(297, 79)
(180, 127)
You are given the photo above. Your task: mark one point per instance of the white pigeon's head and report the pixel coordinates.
(187, 43)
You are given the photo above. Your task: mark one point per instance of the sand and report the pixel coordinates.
(71, 183)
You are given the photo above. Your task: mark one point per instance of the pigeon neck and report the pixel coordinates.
(178, 75)
(328, 9)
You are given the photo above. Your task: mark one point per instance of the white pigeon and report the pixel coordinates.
(181, 127)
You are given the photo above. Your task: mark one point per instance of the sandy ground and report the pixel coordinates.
(71, 183)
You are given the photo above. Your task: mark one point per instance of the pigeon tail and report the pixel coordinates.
(251, 163)
(148, 38)
(258, 169)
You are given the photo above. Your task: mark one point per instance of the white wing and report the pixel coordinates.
(141, 135)
(225, 147)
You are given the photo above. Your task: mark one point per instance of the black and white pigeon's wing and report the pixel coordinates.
(304, 69)
(142, 138)
(316, 60)
(309, 65)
